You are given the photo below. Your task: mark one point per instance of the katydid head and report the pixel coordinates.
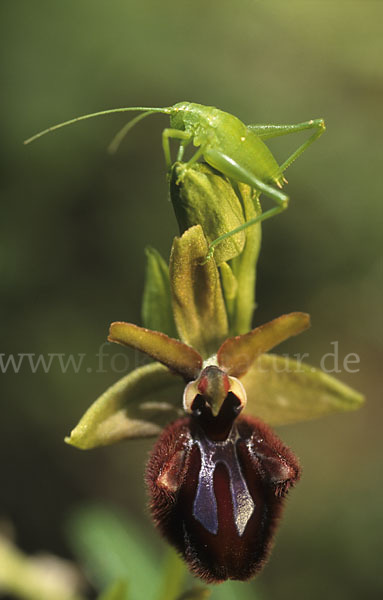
(191, 115)
(179, 115)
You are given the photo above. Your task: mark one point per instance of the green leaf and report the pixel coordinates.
(117, 591)
(244, 265)
(203, 196)
(237, 354)
(33, 578)
(138, 405)
(179, 357)
(114, 548)
(281, 391)
(173, 575)
(198, 304)
(157, 312)
(196, 593)
(234, 590)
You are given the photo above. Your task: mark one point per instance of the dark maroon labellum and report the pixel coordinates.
(217, 487)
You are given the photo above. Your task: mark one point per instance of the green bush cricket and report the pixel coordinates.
(225, 143)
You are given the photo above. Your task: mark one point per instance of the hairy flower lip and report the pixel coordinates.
(218, 499)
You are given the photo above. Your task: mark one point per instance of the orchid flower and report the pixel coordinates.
(218, 474)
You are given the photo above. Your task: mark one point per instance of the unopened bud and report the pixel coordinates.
(203, 196)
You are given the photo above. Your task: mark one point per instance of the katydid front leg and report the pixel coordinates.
(174, 134)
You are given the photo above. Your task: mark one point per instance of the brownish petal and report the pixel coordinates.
(237, 354)
(177, 356)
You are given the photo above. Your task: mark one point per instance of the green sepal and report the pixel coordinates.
(157, 312)
(175, 355)
(198, 304)
(237, 354)
(282, 391)
(203, 196)
(117, 591)
(138, 405)
(244, 265)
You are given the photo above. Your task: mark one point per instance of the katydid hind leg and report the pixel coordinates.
(234, 171)
(272, 212)
(271, 131)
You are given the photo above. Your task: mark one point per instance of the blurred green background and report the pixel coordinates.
(75, 222)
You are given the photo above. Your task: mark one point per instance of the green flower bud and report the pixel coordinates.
(203, 196)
